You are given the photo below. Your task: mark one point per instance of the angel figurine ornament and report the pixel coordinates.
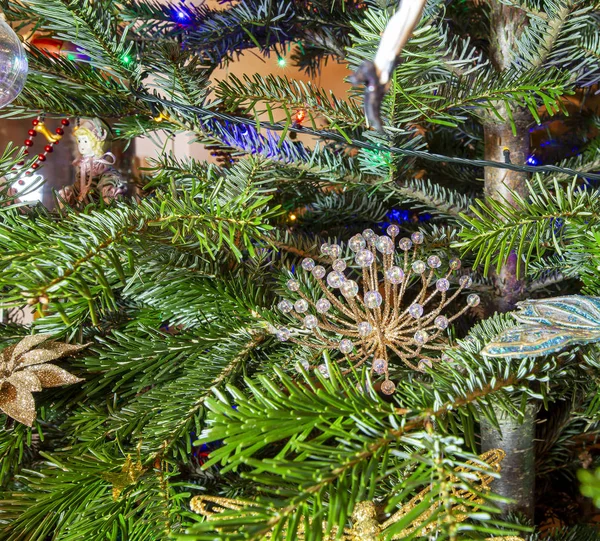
(95, 166)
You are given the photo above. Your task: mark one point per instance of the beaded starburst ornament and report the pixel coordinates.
(365, 315)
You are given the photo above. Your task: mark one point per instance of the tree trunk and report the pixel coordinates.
(516, 437)
(500, 184)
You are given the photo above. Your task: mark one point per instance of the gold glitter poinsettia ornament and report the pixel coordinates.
(25, 369)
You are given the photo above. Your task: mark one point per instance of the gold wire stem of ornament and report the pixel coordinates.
(365, 525)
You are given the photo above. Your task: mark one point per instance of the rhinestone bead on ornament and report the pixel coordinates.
(334, 251)
(323, 306)
(373, 299)
(415, 310)
(324, 370)
(380, 366)
(369, 235)
(465, 281)
(283, 334)
(357, 243)
(346, 346)
(365, 328)
(473, 300)
(293, 285)
(364, 258)
(310, 321)
(421, 337)
(434, 262)
(285, 306)
(454, 263)
(393, 230)
(441, 322)
(442, 285)
(335, 279)
(424, 364)
(301, 306)
(308, 264)
(405, 244)
(318, 272)
(339, 265)
(303, 364)
(417, 237)
(394, 275)
(349, 288)
(388, 387)
(418, 266)
(385, 245)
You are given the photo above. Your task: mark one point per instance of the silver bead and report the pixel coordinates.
(369, 235)
(442, 284)
(473, 300)
(285, 306)
(365, 328)
(301, 306)
(302, 364)
(418, 266)
(394, 275)
(405, 244)
(380, 366)
(310, 321)
(349, 288)
(415, 310)
(465, 281)
(346, 346)
(339, 265)
(324, 370)
(373, 299)
(417, 237)
(283, 334)
(388, 387)
(335, 279)
(421, 337)
(318, 272)
(385, 245)
(424, 363)
(434, 262)
(364, 258)
(441, 322)
(455, 263)
(293, 285)
(308, 264)
(323, 306)
(393, 230)
(357, 243)
(334, 250)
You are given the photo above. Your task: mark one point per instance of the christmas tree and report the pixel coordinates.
(319, 337)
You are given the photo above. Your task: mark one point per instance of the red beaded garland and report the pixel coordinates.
(48, 148)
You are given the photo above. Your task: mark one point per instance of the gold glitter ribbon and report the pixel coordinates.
(25, 369)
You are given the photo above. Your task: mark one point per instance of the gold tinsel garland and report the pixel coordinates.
(365, 524)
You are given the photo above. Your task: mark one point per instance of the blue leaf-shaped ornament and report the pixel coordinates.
(547, 326)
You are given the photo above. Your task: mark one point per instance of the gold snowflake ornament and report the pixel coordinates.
(365, 315)
(25, 369)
